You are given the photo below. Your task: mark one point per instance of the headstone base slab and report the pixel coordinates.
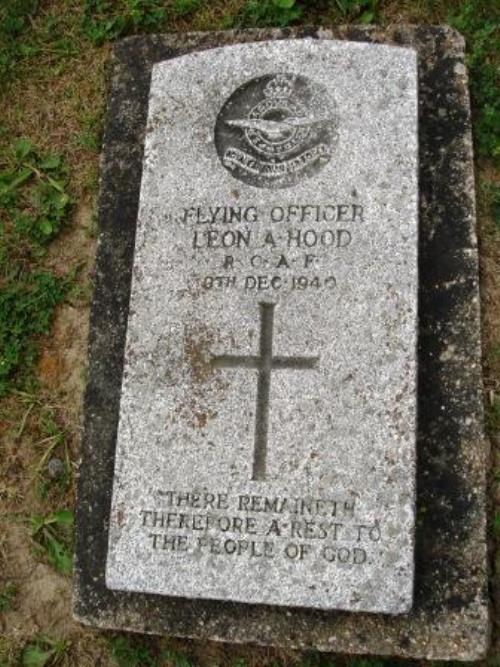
(449, 619)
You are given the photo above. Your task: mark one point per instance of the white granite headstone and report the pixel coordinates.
(266, 441)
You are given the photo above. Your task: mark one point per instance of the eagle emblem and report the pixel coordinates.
(276, 129)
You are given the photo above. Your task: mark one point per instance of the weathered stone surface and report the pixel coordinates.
(449, 616)
(266, 440)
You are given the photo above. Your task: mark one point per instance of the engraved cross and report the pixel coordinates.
(265, 363)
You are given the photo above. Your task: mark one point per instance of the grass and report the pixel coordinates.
(104, 19)
(52, 97)
(26, 308)
(479, 21)
(493, 414)
(14, 23)
(43, 440)
(262, 13)
(34, 207)
(44, 651)
(50, 442)
(7, 594)
(9, 651)
(363, 11)
(183, 8)
(494, 205)
(172, 658)
(90, 135)
(52, 538)
(131, 653)
(495, 525)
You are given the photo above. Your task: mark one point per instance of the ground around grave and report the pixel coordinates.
(53, 56)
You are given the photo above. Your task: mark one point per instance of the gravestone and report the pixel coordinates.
(251, 410)
(266, 438)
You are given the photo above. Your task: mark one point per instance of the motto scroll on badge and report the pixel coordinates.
(276, 129)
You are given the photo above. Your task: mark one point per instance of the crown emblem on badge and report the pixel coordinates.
(279, 87)
(276, 129)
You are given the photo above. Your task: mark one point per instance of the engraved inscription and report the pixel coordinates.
(260, 527)
(293, 247)
(265, 363)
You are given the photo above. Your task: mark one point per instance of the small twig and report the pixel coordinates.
(23, 421)
(47, 439)
(37, 173)
(46, 454)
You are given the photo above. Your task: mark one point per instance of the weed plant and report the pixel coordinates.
(14, 23)
(130, 653)
(479, 22)
(44, 651)
(52, 538)
(34, 207)
(107, 19)
(7, 594)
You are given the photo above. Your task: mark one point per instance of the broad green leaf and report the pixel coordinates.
(50, 162)
(58, 555)
(28, 50)
(60, 201)
(284, 4)
(18, 180)
(55, 184)
(367, 17)
(36, 523)
(46, 227)
(63, 517)
(22, 148)
(33, 656)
